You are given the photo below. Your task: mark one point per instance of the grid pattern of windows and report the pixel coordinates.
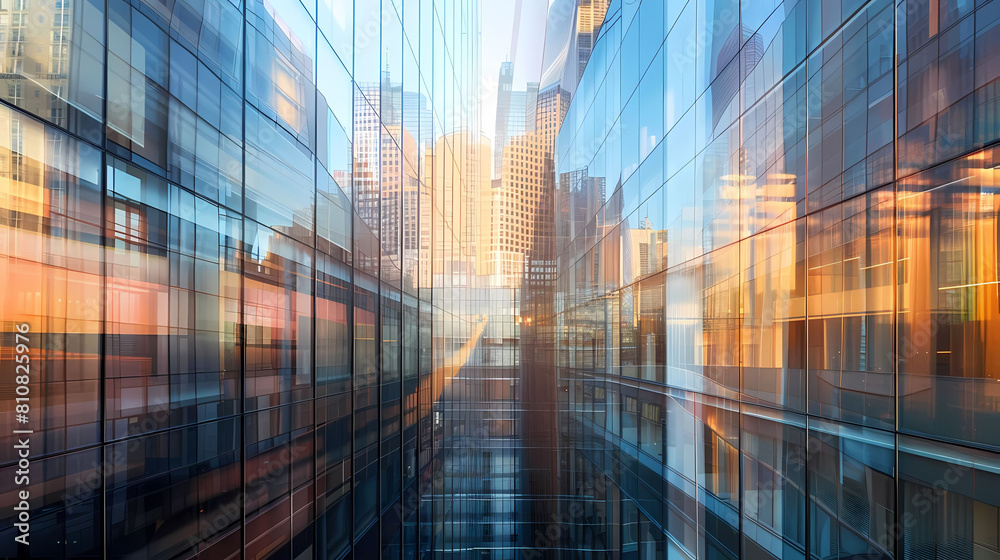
(775, 329)
(219, 222)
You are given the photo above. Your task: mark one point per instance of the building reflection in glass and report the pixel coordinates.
(238, 289)
(776, 284)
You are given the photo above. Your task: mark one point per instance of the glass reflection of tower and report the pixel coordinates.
(225, 259)
(46, 55)
(782, 380)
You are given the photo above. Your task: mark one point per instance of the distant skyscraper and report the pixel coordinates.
(417, 114)
(523, 194)
(552, 104)
(516, 113)
(524, 199)
(505, 85)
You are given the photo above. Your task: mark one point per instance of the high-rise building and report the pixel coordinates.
(216, 257)
(772, 331)
(521, 197)
(551, 106)
(515, 115)
(505, 91)
(524, 197)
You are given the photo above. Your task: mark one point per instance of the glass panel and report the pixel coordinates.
(52, 57)
(277, 311)
(852, 491)
(173, 305)
(51, 205)
(850, 310)
(773, 302)
(947, 299)
(774, 485)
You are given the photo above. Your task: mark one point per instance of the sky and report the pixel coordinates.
(498, 45)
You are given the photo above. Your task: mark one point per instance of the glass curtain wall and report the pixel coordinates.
(776, 308)
(226, 241)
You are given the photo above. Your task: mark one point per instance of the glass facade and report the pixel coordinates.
(228, 229)
(723, 284)
(775, 309)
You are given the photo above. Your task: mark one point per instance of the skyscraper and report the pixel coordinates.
(515, 115)
(525, 194)
(217, 254)
(764, 344)
(505, 85)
